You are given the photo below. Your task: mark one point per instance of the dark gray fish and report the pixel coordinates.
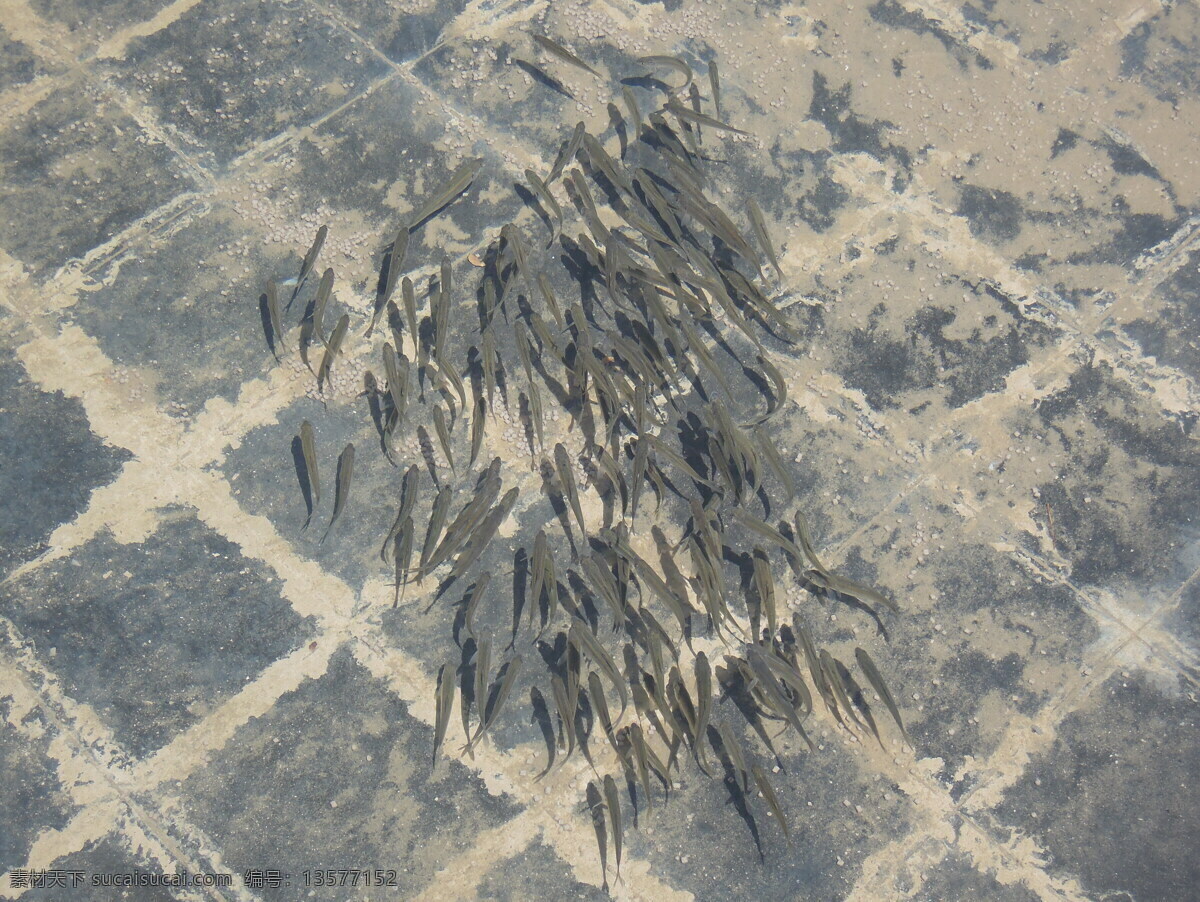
(551, 301)
(687, 115)
(566, 713)
(308, 448)
(409, 488)
(582, 636)
(397, 378)
(776, 404)
(566, 477)
(395, 265)
(487, 353)
(670, 62)
(761, 669)
(880, 687)
(563, 53)
(596, 806)
(444, 702)
(324, 290)
(486, 531)
(542, 190)
(714, 79)
(760, 231)
(403, 553)
(481, 587)
(612, 799)
(567, 153)
(506, 684)
(449, 372)
(838, 688)
(310, 260)
(782, 471)
(273, 313)
(600, 706)
(631, 104)
(331, 350)
(766, 531)
(459, 181)
(483, 664)
(443, 434)
(437, 520)
(764, 584)
(733, 752)
(535, 414)
(477, 430)
(772, 800)
(844, 586)
(704, 702)
(410, 312)
(345, 472)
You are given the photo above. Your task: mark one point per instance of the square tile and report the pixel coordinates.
(1114, 801)
(50, 462)
(78, 171)
(228, 76)
(337, 775)
(156, 635)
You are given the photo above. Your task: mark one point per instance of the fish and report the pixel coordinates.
(764, 584)
(535, 414)
(273, 313)
(345, 471)
(331, 350)
(858, 697)
(488, 354)
(844, 586)
(631, 104)
(403, 553)
(484, 534)
(687, 115)
(460, 180)
(310, 260)
(437, 519)
(782, 471)
(613, 800)
(324, 290)
(714, 80)
(766, 531)
(833, 679)
(410, 313)
(566, 477)
(704, 702)
(582, 636)
(308, 449)
(477, 430)
(733, 752)
(444, 703)
(760, 231)
(563, 53)
(773, 693)
(600, 706)
(772, 800)
(521, 337)
(567, 153)
(481, 587)
(542, 190)
(670, 62)
(506, 683)
(443, 434)
(395, 263)
(880, 687)
(566, 713)
(409, 488)
(449, 372)
(596, 807)
(483, 663)
(780, 385)
(397, 386)
(551, 300)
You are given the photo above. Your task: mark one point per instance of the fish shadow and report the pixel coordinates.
(303, 475)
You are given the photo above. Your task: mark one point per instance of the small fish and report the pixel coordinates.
(459, 181)
(483, 663)
(714, 79)
(551, 300)
(670, 62)
(487, 352)
(583, 637)
(273, 312)
(563, 53)
(844, 586)
(771, 453)
(535, 414)
(437, 519)
(566, 153)
(764, 529)
(613, 800)
(704, 701)
(443, 434)
(331, 350)
(780, 387)
(324, 290)
(687, 115)
(310, 260)
(481, 587)
(733, 752)
(600, 705)
(449, 372)
(345, 471)
(477, 430)
(506, 684)
(409, 488)
(308, 448)
(774, 694)
(566, 478)
(772, 800)
(484, 534)
(760, 231)
(410, 313)
(542, 190)
(631, 104)
(764, 584)
(444, 702)
(403, 553)
(880, 687)
(596, 806)
(566, 713)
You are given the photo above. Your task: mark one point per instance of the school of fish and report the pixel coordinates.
(668, 285)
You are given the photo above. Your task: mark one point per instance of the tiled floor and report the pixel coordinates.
(988, 216)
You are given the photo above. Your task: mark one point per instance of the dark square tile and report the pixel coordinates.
(401, 29)
(154, 636)
(1114, 801)
(536, 873)
(103, 864)
(230, 75)
(78, 170)
(337, 775)
(32, 798)
(50, 462)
